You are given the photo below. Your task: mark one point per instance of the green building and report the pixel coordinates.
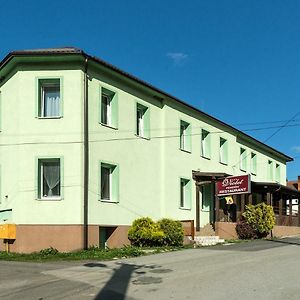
(86, 148)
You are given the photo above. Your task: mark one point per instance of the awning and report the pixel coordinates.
(273, 187)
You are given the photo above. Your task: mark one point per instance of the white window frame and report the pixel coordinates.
(140, 120)
(46, 83)
(183, 129)
(222, 158)
(113, 184)
(243, 159)
(270, 170)
(184, 186)
(205, 143)
(108, 105)
(109, 168)
(277, 172)
(253, 163)
(41, 183)
(184, 136)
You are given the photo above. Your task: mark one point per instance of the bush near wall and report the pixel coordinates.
(257, 221)
(146, 232)
(173, 231)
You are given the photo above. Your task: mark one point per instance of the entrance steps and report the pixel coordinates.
(208, 240)
(207, 236)
(207, 230)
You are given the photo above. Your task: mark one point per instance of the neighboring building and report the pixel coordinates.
(87, 148)
(295, 184)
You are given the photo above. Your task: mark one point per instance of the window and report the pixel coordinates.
(109, 185)
(49, 178)
(142, 121)
(277, 173)
(205, 144)
(223, 151)
(253, 163)
(49, 98)
(185, 136)
(243, 161)
(109, 113)
(185, 193)
(270, 170)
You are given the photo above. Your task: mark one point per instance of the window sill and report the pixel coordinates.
(47, 118)
(186, 151)
(205, 157)
(142, 137)
(254, 174)
(108, 126)
(49, 199)
(185, 208)
(223, 163)
(243, 170)
(109, 201)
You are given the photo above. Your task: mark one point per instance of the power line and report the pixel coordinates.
(138, 138)
(281, 127)
(265, 122)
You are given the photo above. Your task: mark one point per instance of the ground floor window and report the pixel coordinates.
(185, 193)
(109, 182)
(49, 178)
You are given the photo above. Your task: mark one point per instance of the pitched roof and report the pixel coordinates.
(76, 51)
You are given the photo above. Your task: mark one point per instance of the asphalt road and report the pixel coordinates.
(253, 270)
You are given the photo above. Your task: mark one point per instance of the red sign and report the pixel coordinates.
(233, 185)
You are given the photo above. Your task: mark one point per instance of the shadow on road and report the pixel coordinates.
(116, 287)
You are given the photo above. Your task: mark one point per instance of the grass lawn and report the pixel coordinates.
(51, 254)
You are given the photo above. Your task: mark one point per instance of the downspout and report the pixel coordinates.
(85, 157)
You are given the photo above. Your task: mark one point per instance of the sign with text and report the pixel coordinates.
(233, 185)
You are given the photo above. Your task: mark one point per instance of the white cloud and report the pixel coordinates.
(296, 148)
(178, 57)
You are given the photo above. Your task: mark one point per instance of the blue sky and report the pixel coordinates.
(236, 60)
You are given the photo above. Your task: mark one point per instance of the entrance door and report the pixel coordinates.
(206, 204)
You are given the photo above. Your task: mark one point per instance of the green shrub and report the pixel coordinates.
(173, 231)
(145, 232)
(260, 217)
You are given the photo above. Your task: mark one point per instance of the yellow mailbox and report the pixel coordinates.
(8, 231)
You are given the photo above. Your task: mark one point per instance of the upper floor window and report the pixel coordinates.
(185, 136)
(142, 121)
(49, 178)
(243, 159)
(109, 108)
(223, 151)
(49, 98)
(270, 170)
(205, 144)
(277, 173)
(253, 163)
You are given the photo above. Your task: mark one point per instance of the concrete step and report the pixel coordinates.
(207, 240)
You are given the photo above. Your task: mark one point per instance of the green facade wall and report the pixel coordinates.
(149, 170)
